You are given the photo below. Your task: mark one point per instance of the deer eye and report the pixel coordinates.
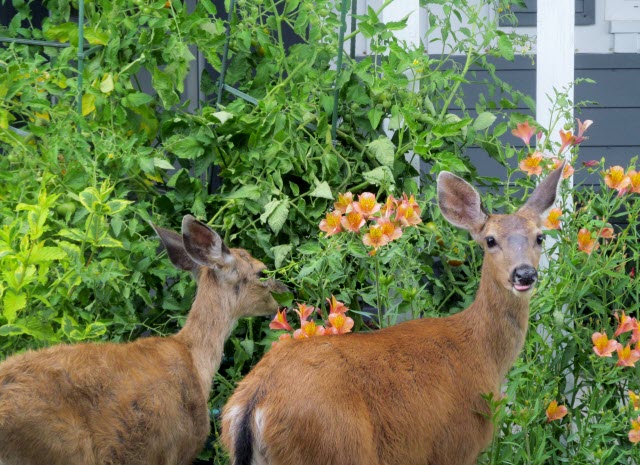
(491, 241)
(540, 239)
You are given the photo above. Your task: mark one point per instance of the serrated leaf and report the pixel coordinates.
(251, 192)
(279, 216)
(12, 303)
(506, 47)
(375, 116)
(483, 121)
(280, 252)
(116, 206)
(46, 254)
(185, 147)
(88, 104)
(379, 175)
(223, 116)
(94, 330)
(11, 330)
(162, 164)
(268, 209)
(284, 299)
(384, 151)
(106, 85)
(322, 191)
(248, 346)
(137, 99)
(68, 324)
(309, 248)
(90, 198)
(96, 36)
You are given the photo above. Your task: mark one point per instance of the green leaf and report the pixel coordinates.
(108, 241)
(384, 151)
(11, 330)
(379, 175)
(106, 85)
(284, 299)
(279, 216)
(163, 83)
(94, 330)
(322, 191)
(268, 209)
(96, 36)
(375, 116)
(68, 324)
(483, 121)
(46, 254)
(88, 104)
(251, 192)
(279, 253)
(137, 99)
(90, 199)
(185, 147)
(12, 303)
(162, 164)
(223, 116)
(506, 47)
(116, 206)
(248, 346)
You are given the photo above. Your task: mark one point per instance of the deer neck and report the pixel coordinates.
(499, 321)
(208, 325)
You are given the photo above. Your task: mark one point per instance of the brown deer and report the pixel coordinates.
(411, 394)
(144, 402)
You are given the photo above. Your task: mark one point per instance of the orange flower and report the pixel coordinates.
(635, 332)
(606, 233)
(335, 306)
(331, 223)
(585, 242)
(389, 207)
(389, 228)
(555, 411)
(553, 220)
(634, 177)
(340, 323)
(634, 399)
(408, 213)
(280, 321)
(366, 204)
(282, 337)
(627, 357)
(582, 127)
(625, 324)
(375, 237)
(344, 200)
(634, 434)
(308, 329)
(304, 311)
(602, 346)
(524, 131)
(616, 179)
(567, 139)
(531, 164)
(352, 221)
(567, 172)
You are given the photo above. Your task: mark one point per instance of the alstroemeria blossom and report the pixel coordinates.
(616, 178)
(590, 163)
(555, 411)
(389, 207)
(366, 205)
(353, 221)
(331, 224)
(553, 219)
(568, 171)
(582, 127)
(375, 237)
(340, 323)
(585, 242)
(280, 321)
(408, 212)
(344, 200)
(335, 306)
(389, 228)
(634, 178)
(531, 164)
(304, 311)
(524, 131)
(634, 399)
(626, 323)
(627, 357)
(606, 233)
(634, 434)
(308, 329)
(603, 346)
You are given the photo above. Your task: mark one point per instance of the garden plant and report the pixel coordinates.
(79, 262)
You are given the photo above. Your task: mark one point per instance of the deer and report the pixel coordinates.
(411, 394)
(141, 402)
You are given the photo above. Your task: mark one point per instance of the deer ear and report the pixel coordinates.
(460, 203)
(544, 196)
(204, 245)
(172, 241)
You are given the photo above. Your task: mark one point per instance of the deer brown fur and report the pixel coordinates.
(143, 402)
(412, 394)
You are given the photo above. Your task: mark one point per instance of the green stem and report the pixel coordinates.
(379, 300)
(454, 90)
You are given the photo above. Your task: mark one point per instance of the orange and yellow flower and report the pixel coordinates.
(343, 203)
(375, 237)
(331, 224)
(634, 400)
(389, 207)
(524, 131)
(568, 171)
(626, 323)
(603, 346)
(553, 219)
(634, 177)
(555, 411)
(352, 221)
(340, 323)
(627, 357)
(335, 306)
(531, 164)
(606, 233)
(389, 228)
(304, 311)
(308, 329)
(366, 205)
(408, 213)
(567, 139)
(280, 321)
(617, 179)
(585, 242)
(634, 434)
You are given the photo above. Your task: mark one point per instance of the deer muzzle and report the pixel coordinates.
(523, 277)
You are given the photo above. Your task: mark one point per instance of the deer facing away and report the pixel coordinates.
(143, 402)
(411, 394)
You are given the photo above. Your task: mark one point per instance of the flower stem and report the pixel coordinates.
(379, 301)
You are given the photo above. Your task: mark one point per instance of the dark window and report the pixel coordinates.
(585, 13)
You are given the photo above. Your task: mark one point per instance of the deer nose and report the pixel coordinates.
(524, 275)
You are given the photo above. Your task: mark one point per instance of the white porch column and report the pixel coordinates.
(555, 56)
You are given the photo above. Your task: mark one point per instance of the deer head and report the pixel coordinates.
(512, 243)
(233, 273)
